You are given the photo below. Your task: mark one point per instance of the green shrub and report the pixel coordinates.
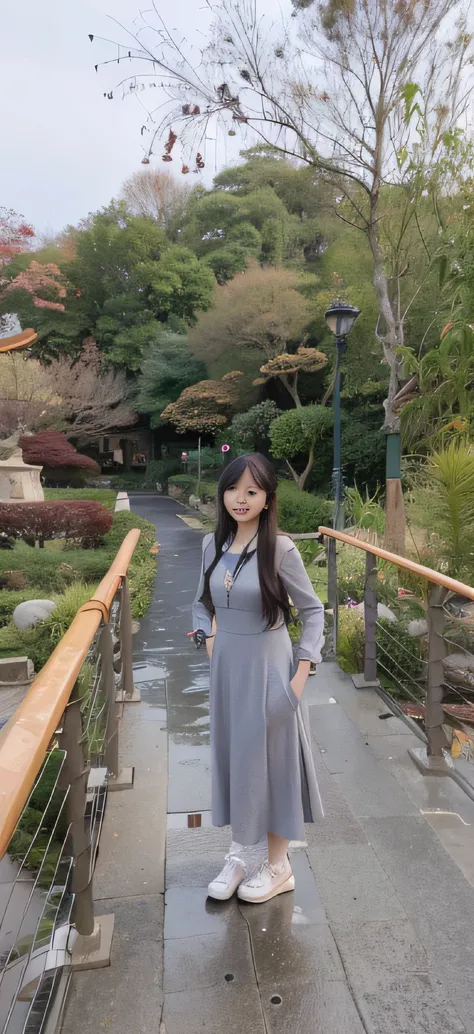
(132, 480)
(350, 640)
(39, 642)
(9, 599)
(350, 573)
(160, 471)
(351, 577)
(399, 656)
(248, 431)
(106, 496)
(142, 568)
(300, 512)
(211, 460)
(366, 511)
(189, 486)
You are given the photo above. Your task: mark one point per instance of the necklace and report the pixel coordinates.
(229, 578)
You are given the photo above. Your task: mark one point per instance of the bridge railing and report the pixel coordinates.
(423, 668)
(59, 757)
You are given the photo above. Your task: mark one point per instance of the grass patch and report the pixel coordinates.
(106, 496)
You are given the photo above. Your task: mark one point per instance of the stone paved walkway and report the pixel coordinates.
(379, 935)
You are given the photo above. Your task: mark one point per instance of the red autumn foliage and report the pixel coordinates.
(52, 449)
(41, 278)
(15, 234)
(84, 520)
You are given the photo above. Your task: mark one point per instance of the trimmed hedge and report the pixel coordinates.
(300, 512)
(84, 520)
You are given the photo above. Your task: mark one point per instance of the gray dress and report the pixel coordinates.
(263, 777)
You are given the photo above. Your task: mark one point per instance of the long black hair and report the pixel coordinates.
(274, 598)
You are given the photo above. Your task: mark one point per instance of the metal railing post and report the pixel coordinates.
(437, 650)
(92, 946)
(128, 692)
(74, 777)
(370, 619)
(434, 759)
(332, 596)
(116, 779)
(368, 680)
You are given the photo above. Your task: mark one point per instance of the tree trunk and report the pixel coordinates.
(290, 382)
(391, 339)
(307, 470)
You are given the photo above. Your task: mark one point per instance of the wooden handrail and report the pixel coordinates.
(402, 562)
(22, 340)
(26, 737)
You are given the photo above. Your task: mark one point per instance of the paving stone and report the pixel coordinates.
(232, 1009)
(367, 787)
(353, 883)
(196, 963)
(327, 1008)
(374, 951)
(189, 913)
(294, 954)
(438, 899)
(412, 1003)
(127, 996)
(195, 856)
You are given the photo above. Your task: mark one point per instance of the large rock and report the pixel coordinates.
(460, 661)
(418, 628)
(382, 612)
(459, 670)
(31, 612)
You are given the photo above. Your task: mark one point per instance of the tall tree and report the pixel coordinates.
(259, 314)
(125, 280)
(296, 432)
(90, 398)
(348, 93)
(169, 368)
(159, 195)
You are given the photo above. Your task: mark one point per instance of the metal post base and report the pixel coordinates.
(360, 683)
(123, 781)
(94, 952)
(428, 764)
(135, 697)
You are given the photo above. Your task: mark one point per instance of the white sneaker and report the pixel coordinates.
(267, 882)
(226, 883)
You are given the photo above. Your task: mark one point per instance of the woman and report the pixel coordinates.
(263, 779)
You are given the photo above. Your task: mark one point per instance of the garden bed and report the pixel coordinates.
(69, 575)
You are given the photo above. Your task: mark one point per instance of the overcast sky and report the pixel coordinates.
(65, 149)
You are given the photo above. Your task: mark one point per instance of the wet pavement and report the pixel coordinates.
(377, 937)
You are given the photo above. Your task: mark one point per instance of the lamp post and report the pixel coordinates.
(340, 319)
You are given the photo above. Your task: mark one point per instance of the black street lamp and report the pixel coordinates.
(340, 319)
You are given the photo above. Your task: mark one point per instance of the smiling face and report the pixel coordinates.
(245, 501)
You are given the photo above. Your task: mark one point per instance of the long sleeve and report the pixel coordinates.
(202, 617)
(310, 609)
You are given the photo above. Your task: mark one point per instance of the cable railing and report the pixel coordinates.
(59, 757)
(422, 668)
